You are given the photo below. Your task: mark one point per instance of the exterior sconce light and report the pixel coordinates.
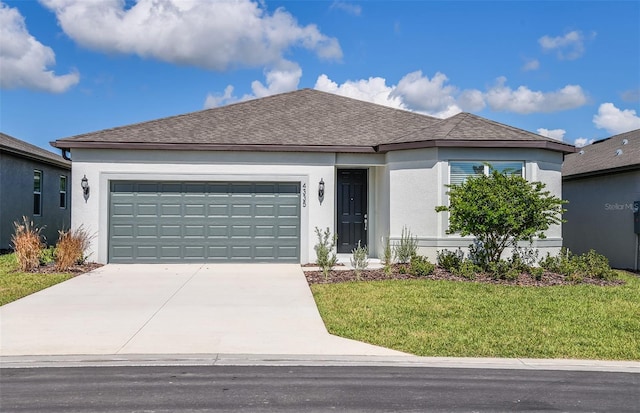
(321, 190)
(84, 183)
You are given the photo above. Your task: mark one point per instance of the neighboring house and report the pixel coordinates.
(251, 181)
(34, 183)
(601, 183)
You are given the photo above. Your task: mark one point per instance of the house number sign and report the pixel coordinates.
(304, 195)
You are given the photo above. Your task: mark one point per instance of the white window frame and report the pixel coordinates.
(62, 201)
(37, 192)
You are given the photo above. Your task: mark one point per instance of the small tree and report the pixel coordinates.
(501, 209)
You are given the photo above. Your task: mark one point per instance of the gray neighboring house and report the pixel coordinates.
(601, 183)
(252, 181)
(34, 183)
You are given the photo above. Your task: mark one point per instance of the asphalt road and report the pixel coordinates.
(313, 389)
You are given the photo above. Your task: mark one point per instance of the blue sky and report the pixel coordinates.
(568, 70)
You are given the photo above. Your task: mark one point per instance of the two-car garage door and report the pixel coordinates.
(204, 221)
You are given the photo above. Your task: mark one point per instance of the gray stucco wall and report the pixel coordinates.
(600, 216)
(16, 197)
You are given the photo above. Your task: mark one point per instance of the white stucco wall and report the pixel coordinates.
(417, 180)
(404, 187)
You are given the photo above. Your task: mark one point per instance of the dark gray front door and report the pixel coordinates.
(352, 209)
(204, 221)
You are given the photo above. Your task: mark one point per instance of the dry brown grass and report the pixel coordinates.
(27, 244)
(71, 247)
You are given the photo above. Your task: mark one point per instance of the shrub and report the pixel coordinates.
(576, 267)
(387, 258)
(450, 260)
(47, 255)
(467, 269)
(359, 260)
(71, 247)
(325, 256)
(536, 272)
(525, 258)
(420, 266)
(500, 209)
(407, 247)
(503, 270)
(27, 243)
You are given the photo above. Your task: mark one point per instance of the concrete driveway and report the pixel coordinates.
(175, 309)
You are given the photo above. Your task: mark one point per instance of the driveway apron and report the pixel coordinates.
(175, 309)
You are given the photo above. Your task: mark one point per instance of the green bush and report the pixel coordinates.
(576, 267)
(47, 255)
(536, 272)
(326, 258)
(450, 260)
(467, 269)
(407, 247)
(420, 266)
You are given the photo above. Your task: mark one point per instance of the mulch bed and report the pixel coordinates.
(548, 278)
(75, 270)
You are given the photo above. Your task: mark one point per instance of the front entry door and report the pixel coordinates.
(352, 209)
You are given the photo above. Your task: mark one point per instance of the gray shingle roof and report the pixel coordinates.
(24, 149)
(306, 119)
(605, 156)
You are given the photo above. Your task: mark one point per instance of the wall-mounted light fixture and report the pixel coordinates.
(321, 190)
(84, 183)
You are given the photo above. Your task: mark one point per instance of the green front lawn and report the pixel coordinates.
(15, 284)
(461, 319)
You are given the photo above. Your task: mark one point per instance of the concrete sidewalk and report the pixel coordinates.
(175, 309)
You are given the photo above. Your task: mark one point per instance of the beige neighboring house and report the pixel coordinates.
(34, 183)
(252, 181)
(601, 183)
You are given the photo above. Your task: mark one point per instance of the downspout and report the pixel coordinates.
(65, 154)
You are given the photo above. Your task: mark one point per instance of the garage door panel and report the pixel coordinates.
(204, 221)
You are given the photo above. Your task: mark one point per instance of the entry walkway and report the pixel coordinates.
(175, 309)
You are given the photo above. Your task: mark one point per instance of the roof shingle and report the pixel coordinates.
(22, 148)
(605, 156)
(306, 119)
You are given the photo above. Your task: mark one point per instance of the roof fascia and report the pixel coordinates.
(590, 174)
(445, 143)
(36, 157)
(211, 147)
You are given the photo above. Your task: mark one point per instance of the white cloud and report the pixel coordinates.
(580, 142)
(552, 133)
(346, 7)
(24, 61)
(567, 47)
(283, 79)
(426, 95)
(531, 64)
(614, 120)
(524, 100)
(211, 35)
(374, 90)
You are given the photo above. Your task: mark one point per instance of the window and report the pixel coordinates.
(37, 192)
(459, 171)
(63, 192)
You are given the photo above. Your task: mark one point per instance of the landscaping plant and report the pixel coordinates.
(387, 257)
(407, 247)
(450, 260)
(420, 266)
(326, 257)
(499, 210)
(71, 248)
(359, 259)
(27, 243)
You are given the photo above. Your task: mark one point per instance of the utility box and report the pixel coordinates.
(636, 217)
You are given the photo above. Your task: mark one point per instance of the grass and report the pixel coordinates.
(15, 284)
(456, 319)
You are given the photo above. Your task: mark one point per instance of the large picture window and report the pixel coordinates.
(37, 192)
(459, 171)
(63, 192)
